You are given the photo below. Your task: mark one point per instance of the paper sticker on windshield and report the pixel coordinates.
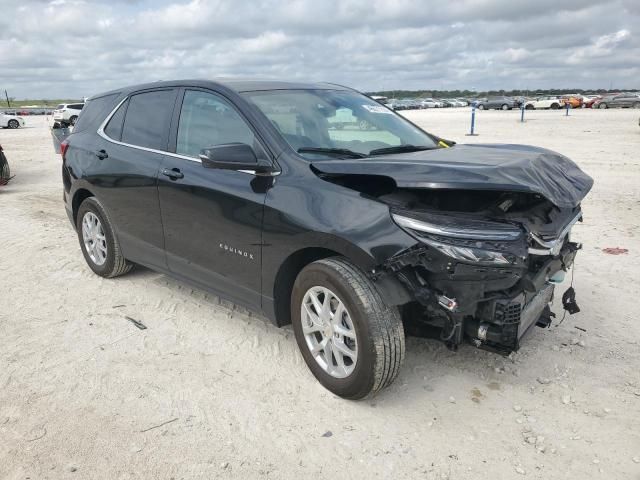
(376, 109)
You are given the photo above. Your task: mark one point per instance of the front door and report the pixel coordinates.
(212, 218)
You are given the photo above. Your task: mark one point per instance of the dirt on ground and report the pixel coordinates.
(210, 390)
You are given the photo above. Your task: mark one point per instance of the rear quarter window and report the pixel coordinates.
(95, 111)
(146, 123)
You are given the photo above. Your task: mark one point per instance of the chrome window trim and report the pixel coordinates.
(102, 133)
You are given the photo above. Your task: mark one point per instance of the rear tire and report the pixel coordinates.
(376, 331)
(529, 107)
(505, 107)
(480, 107)
(636, 105)
(555, 106)
(13, 124)
(603, 105)
(73, 120)
(105, 258)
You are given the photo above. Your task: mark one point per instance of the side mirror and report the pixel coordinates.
(233, 156)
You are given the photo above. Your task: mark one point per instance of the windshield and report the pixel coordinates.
(337, 123)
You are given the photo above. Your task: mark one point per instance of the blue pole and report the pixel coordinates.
(522, 113)
(568, 105)
(473, 121)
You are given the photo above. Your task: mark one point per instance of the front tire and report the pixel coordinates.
(480, 107)
(98, 242)
(555, 106)
(351, 341)
(13, 124)
(73, 120)
(505, 107)
(603, 105)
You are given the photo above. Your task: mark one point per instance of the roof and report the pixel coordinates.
(238, 85)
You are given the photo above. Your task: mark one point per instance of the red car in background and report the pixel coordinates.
(587, 102)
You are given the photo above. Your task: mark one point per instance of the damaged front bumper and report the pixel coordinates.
(489, 305)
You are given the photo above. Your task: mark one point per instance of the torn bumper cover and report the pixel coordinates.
(486, 292)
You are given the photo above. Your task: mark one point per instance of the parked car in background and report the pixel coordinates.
(621, 100)
(497, 103)
(463, 102)
(67, 113)
(543, 103)
(451, 102)
(591, 101)
(587, 100)
(407, 104)
(242, 188)
(428, 103)
(11, 120)
(380, 99)
(574, 101)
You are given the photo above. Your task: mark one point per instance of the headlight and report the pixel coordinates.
(469, 254)
(467, 240)
(457, 227)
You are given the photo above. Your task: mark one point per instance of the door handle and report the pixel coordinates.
(173, 173)
(101, 154)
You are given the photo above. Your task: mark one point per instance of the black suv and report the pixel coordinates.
(351, 234)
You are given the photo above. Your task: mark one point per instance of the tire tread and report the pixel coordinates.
(120, 264)
(385, 323)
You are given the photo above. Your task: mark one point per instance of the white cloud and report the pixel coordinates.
(74, 48)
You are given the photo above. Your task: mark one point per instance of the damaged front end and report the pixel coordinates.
(490, 228)
(485, 264)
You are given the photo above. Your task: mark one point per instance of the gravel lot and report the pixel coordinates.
(210, 390)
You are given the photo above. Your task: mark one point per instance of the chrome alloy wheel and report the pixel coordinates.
(329, 332)
(95, 242)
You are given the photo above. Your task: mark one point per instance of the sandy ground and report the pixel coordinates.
(83, 392)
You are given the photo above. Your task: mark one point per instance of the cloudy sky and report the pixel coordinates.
(75, 48)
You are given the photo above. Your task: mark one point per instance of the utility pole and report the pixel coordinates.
(7, 97)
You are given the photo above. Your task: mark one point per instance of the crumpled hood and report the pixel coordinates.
(513, 168)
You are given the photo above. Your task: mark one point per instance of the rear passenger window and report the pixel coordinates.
(207, 120)
(146, 123)
(113, 129)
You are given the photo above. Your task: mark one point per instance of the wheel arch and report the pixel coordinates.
(389, 287)
(79, 196)
(286, 277)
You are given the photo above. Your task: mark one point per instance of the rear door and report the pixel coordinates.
(135, 140)
(213, 218)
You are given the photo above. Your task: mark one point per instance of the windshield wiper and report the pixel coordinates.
(344, 152)
(399, 149)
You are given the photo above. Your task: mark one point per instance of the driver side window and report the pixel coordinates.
(207, 120)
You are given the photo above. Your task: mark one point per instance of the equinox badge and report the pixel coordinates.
(237, 251)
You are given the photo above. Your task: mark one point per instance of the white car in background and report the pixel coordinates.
(11, 120)
(544, 102)
(428, 103)
(67, 113)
